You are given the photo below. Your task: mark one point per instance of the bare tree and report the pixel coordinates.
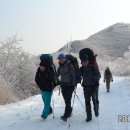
(17, 69)
(69, 46)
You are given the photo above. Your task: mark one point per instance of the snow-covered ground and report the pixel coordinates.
(25, 115)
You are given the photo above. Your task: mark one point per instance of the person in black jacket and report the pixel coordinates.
(44, 80)
(108, 78)
(91, 76)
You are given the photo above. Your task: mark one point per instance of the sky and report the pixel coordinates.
(47, 25)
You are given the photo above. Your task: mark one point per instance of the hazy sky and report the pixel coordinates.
(46, 25)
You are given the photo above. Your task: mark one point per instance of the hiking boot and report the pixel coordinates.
(108, 90)
(88, 119)
(43, 117)
(97, 114)
(69, 115)
(64, 118)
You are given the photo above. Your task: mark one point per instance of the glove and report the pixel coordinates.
(56, 83)
(104, 80)
(112, 80)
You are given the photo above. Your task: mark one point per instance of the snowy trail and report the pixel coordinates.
(25, 115)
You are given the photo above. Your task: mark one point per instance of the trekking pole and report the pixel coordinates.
(59, 91)
(53, 105)
(79, 100)
(73, 100)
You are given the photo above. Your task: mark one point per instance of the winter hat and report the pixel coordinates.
(61, 56)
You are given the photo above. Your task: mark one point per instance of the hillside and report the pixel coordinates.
(112, 41)
(111, 45)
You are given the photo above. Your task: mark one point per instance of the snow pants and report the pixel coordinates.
(46, 97)
(67, 92)
(89, 94)
(108, 83)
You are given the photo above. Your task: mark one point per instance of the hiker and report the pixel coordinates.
(68, 82)
(90, 83)
(108, 78)
(45, 81)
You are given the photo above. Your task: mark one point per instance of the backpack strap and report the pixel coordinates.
(54, 68)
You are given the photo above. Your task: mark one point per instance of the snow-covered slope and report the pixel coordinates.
(112, 41)
(112, 45)
(25, 115)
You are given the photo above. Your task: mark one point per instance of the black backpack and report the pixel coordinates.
(87, 52)
(47, 60)
(107, 73)
(75, 63)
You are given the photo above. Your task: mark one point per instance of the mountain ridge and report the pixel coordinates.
(111, 41)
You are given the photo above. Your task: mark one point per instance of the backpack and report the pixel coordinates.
(107, 73)
(47, 60)
(75, 63)
(87, 52)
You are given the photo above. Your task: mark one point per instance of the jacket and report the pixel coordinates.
(90, 75)
(67, 73)
(44, 80)
(108, 75)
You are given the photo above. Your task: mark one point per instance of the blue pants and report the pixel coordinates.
(46, 97)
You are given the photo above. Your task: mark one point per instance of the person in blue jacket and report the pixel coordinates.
(44, 80)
